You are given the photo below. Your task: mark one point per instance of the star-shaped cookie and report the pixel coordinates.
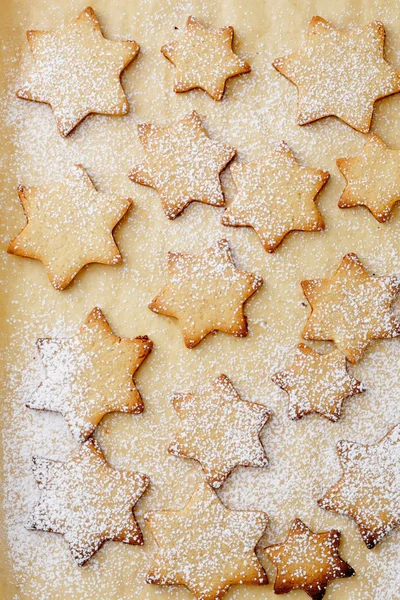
(369, 490)
(90, 375)
(219, 430)
(275, 196)
(206, 547)
(204, 59)
(340, 73)
(317, 383)
(373, 178)
(352, 308)
(182, 163)
(77, 71)
(307, 561)
(87, 501)
(69, 225)
(206, 293)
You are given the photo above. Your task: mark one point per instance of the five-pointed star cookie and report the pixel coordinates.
(204, 59)
(69, 225)
(206, 546)
(369, 490)
(340, 73)
(90, 375)
(317, 383)
(77, 71)
(352, 308)
(373, 178)
(307, 561)
(206, 293)
(182, 163)
(275, 196)
(87, 501)
(219, 430)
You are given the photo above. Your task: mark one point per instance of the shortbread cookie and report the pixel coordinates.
(204, 59)
(307, 561)
(90, 375)
(369, 490)
(352, 308)
(69, 225)
(373, 178)
(206, 293)
(182, 163)
(87, 501)
(340, 73)
(206, 547)
(77, 71)
(275, 196)
(317, 383)
(219, 430)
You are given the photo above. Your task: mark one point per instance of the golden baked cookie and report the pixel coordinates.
(340, 73)
(275, 196)
(219, 430)
(182, 163)
(206, 293)
(206, 547)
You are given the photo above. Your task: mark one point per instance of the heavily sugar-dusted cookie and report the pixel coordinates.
(90, 375)
(317, 383)
(307, 561)
(77, 71)
(373, 178)
(204, 59)
(206, 293)
(69, 225)
(219, 430)
(352, 308)
(340, 73)
(275, 196)
(87, 501)
(206, 547)
(182, 163)
(369, 490)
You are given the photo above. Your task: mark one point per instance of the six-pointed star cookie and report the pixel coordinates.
(182, 163)
(69, 225)
(204, 59)
(90, 375)
(276, 196)
(206, 293)
(369, 490)
(77, 71)
(87, 501)
(206, 547)
(317, 383)
(307, 561)
(373, 178)
(351, 308)
(340, 73)
(219, 430)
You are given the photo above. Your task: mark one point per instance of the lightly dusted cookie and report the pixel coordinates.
(219, 430)
(206, 293)
(275, 196)
(77, 71)
(69, 225)
(87, 501)
(369, 490)
(206, 547)
(340, 73)
(90, 375)
(182, 163)
(307, 561)
(351, 308)
(204, 59)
